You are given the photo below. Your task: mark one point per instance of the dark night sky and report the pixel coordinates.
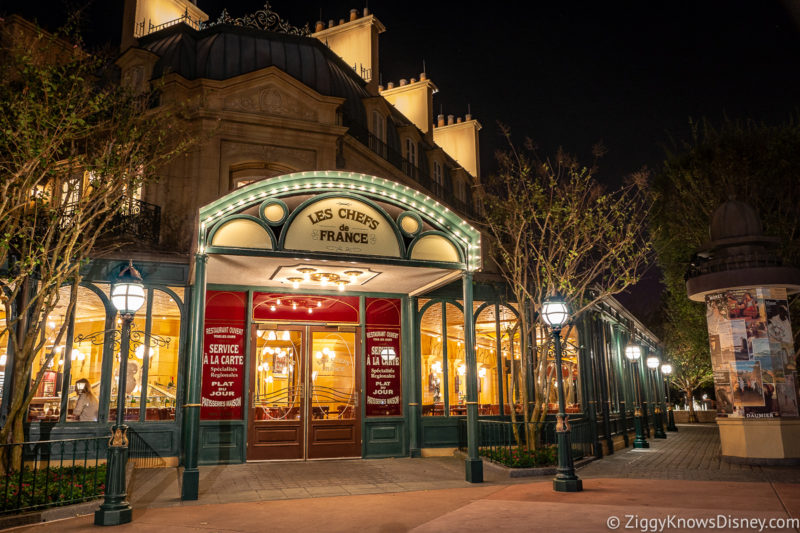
(565, 73)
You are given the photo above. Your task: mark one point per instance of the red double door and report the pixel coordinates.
(304, 391)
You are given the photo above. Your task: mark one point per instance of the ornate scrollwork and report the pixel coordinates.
(137, 338)
(265, 19)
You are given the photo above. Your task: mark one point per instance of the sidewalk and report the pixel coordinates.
(678, 476)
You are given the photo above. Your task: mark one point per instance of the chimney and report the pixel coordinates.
(461, 142)
(319, 26)
(390, 85)
(440, 120)
(403, 82)
(355, 41)
(449, 120)
(423, 76)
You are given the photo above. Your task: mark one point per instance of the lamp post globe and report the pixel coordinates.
(653, 362)
(127, 295)
(555, 314)
(633, 352)
(666, 371)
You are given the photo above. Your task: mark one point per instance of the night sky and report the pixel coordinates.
(629, 74)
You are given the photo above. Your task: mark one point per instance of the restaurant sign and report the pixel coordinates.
(223, 357)
(342, 225)
(383, 372)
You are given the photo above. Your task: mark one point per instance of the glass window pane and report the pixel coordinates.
(46, 403)
(486, 352)
(277, 379)
(512, 368)
(333, 375)
(432, 362)
(162, 357)
(134, 367)
(569, 373)
(456, 361)
(87, 357)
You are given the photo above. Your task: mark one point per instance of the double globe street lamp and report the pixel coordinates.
(633, 352)
(555, 314)
(653, 363)
(127, 295)
(666, 371)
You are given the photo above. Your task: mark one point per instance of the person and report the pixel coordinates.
(87, 404)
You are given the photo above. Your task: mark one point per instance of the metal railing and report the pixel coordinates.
(440, 191)
(52, 473)
(499, 438)
(136, 219)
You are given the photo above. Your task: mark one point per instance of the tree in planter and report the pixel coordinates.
(752, 162)
(73, 148)
(557, 229)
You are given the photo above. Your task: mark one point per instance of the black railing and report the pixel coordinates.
(52, 473)
(393, 156)
(136, 219)
(497, 438)
(142, 453)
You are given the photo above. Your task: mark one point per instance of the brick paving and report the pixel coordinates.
(693, 453)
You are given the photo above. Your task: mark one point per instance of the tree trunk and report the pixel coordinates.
(690, 401)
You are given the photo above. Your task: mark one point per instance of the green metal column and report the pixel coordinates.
(411, 333)
(191, 414)
(474, 465)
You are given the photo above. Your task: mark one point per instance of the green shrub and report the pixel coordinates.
(518, 457)
(51, 487)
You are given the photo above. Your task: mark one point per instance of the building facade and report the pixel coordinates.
(315, 283)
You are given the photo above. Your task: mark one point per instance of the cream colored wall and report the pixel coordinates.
(356, 42)
(460, 141)
(160, 11)
(415, 101)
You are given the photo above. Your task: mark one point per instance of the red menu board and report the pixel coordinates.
(384, 389)
(223, 356)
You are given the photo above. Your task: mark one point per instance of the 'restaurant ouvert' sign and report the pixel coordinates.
(342, 225)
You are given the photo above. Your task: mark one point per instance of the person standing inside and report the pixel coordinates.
(87, 404)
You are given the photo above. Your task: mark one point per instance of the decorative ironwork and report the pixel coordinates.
(137, 339)
(265, 19)
(136, 219)
(119, 437)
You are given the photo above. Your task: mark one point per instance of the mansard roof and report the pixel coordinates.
(224, 51)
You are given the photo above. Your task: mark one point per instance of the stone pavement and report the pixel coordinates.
(681, 477)
(693, 453)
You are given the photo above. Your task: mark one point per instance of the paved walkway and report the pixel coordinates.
(680, 477)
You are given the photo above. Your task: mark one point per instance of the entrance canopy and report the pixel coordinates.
(331, 229)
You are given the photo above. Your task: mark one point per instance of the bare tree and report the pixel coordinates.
(557, 229)
(73, 148)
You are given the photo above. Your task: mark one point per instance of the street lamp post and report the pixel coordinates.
(666, 371)
(127, 295)
(633, 352)
(652, 364)
(555, 314)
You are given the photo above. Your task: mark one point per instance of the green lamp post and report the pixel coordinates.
(653, 364)
(633, 352)
(666, 371)
(555, 313)
(127, 295)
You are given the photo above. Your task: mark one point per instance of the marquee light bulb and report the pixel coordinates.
(295, 285)
(294, 305)
(341, 286)
(278, 301)
(310, 310)
(319, 303)
(271, 307)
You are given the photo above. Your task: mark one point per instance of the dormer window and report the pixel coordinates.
(379, 126)
(411, 151)
(437, 173)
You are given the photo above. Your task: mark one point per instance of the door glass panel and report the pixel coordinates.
(333, 375)
(278, 381)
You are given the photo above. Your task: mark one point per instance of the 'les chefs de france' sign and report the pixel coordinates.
(342, 225)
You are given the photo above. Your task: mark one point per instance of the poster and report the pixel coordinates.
(383, 372)
(223, 357)
(750, 342)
